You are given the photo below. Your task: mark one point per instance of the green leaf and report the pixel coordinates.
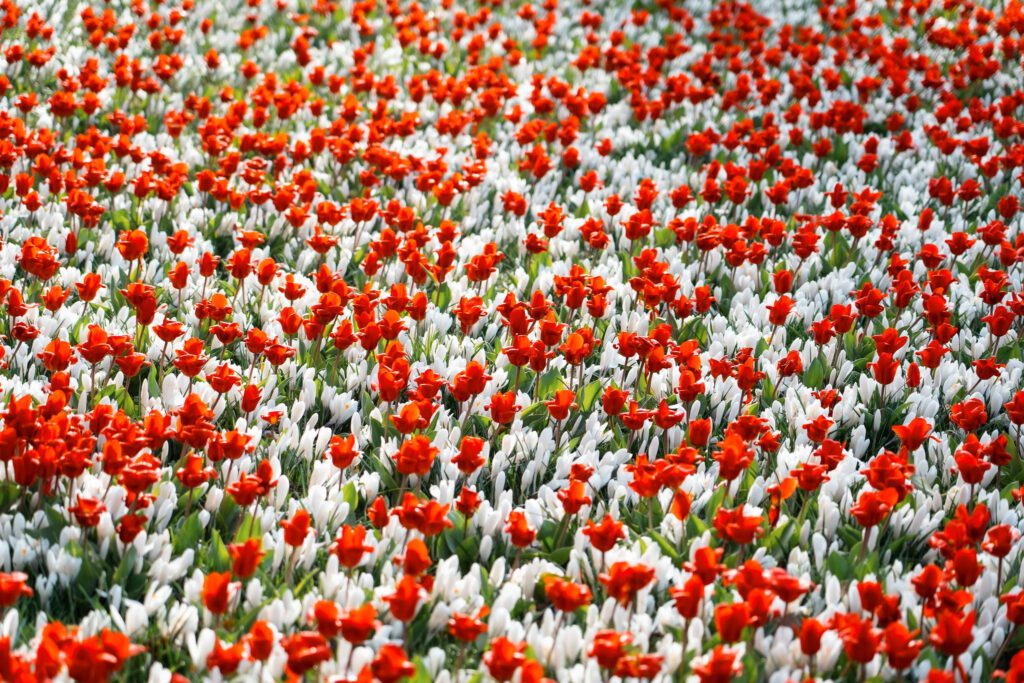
(559, 556)
(467, 548)
(382, 471)
(840, 566)
(815, 374)
(444, 298)
(550, 382)
(121, 219)
(124, 568)
(55, 521)
(188, 534)
(589, 395)
(664, 237)
(535, 416)
(154, 386)
(666, 547)
(218, 558)
(778, 533)
(88, 576)
(250, 528)
(715, 502)
(695, 526)
(350, 495)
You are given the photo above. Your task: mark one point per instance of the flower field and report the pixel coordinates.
(462, 341)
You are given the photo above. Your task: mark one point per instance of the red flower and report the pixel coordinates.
(468, 628)
(913, 434)
(415, 456)
(624, 580)
(504, 658)
(953, 633)
(573, 497)
(811, 631)
(216, 592)
(99, 657)
(688, 597)
(561, 404)
(699, 431)
(193, 474)
(130, 526)
(306, 650)
(1015, 408)
(467, 502)
(706, 564)
(132, 244)
(780, 310)
(566, 596)
(342, 450)
(56, 356)
(405, 599)
(391, 664)
(665, 418)
(246, 557)
(226, 660)
(969, 415)
(358, 624)
(38, 258)
(1014, 607)
(733, 525)
(969, 461)
(613, 400)
(250, 398)
(721, 666)
(884, 369)
(645, 480)
(350, 545)
(432, 518)
(296, 529)
(861, 641)
(190, 359)
(872, 506)
(900, 646)
(519, 530)
(999, 540)
(12, 587)
(95, 347)
(733, 456)
(604, 535)
(260, 640)
(469, 458)
(327, 617)
(87, 511)
(730, 620)
(503, 407)
(609, 647)
(223, 379)
(639, 666)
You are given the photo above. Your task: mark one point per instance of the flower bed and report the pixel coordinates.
(459, 342)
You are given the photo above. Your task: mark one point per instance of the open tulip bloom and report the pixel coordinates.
(467, 341)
